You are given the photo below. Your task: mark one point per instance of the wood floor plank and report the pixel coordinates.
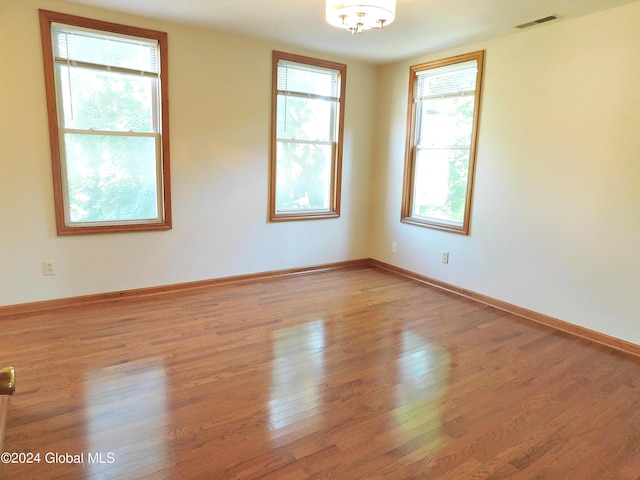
(348, 374)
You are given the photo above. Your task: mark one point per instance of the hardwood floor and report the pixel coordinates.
(350, 374)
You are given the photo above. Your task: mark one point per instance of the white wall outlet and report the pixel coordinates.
(49, 267)
(394, 247)
(445, 257)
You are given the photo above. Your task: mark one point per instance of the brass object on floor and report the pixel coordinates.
(7, 381)
(7, 387)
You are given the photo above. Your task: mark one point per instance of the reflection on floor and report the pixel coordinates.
(297, 374)
(125, 408)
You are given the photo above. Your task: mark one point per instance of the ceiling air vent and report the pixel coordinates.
(537, 22)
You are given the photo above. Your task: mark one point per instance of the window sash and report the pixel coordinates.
(432, 167)
(65, 94)
(422, 138)
(324, 181)
(69, 205)
(330, 129)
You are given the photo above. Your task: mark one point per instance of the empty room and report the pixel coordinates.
(315, 239)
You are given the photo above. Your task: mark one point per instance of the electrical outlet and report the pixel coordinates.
(394, 247)
(49, 267)
(445, 257)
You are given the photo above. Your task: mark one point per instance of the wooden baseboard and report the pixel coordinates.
(48, 305)
(561, 325)
(582, 332)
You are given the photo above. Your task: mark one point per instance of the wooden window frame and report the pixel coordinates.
(63, 225)
(336, 168)
(410, 152)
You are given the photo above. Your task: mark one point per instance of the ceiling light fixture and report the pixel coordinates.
(357, 16)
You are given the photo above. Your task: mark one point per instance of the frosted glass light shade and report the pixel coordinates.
(357, 16)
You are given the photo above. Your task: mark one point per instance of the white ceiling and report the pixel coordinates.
(421, 26)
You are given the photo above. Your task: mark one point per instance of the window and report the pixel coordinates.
(106, 87)
(306, 138)
(444, 101)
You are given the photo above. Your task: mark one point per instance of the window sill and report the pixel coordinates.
(459, 229)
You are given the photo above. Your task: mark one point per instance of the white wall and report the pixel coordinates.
(219, 97)
(556, 214)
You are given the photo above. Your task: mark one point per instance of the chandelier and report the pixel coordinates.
(357, 16)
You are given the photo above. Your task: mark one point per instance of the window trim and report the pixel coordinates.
(336, 167)
(47, 18)
(410, 157)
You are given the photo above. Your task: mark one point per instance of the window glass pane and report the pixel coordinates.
(303, 177)
(440, 184)
(111, 177)
(304, 119)
(446, 122)
(102, 100)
